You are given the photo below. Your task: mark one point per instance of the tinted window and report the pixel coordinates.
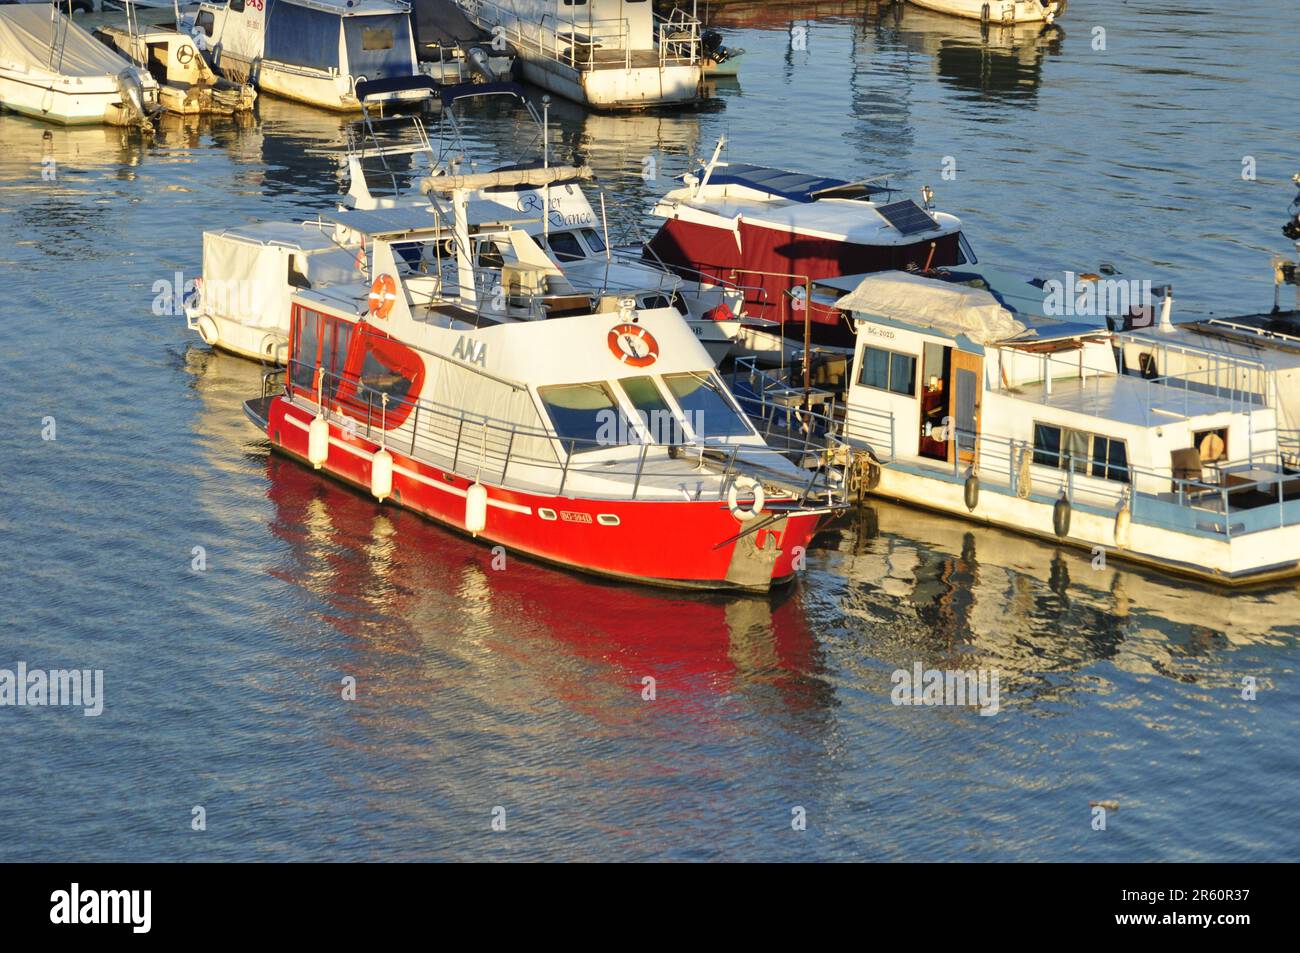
(594, 241)
(1047, 445)
(658, 421)
(379, 377)
(902, 374)
(587, 414)
(376, 39)
(237, 6)
(566, 246)
(875, 368)
(707, 408)
(305, 346)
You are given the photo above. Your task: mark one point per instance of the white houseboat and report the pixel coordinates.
(313, 51)
(1025, 423)
(582, 432)
(610, 54)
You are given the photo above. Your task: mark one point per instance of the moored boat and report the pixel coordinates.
(999, 11)
(610, 54)
(313, 51)
(52, 69)
(590, 434)
(774, 232)
(1027, 423)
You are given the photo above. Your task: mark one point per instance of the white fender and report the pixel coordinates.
(1123, 523)
(318, 441)
(208, 330)
(476, 498)
(381, 475)
(748, 483)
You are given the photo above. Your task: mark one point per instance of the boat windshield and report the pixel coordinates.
(588, 415)
(706, 405)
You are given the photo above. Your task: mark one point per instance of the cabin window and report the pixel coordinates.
(650, 302)
(1212, 444)
(236, 6)
(575, 3)
(888, 370)
(565, 246)
(306, 349)
(380, 378)
(658, 421)
(1062, 448)
(587, 414)
(594, 241)
(706, 405)
(205, 22)
(376, 39)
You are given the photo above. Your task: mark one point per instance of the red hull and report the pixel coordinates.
(672, 543)
(714, 252)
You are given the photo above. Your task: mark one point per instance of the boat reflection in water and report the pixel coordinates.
(923, 587)
(994, 60)
(397, 584)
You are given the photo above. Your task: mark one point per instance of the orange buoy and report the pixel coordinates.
(383, 295)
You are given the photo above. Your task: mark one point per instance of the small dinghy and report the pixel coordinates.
(999, 11)
(52, 69)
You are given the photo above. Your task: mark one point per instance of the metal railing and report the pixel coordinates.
(479, 446)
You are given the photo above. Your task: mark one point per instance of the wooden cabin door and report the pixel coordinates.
(964, 409)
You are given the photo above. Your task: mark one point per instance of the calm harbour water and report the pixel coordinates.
(522, 688)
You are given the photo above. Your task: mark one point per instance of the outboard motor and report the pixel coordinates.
(711, 41)
(132, 90)
(477, 58)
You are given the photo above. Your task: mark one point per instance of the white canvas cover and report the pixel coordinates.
(246, 274)
(27, 34)
(924, 302)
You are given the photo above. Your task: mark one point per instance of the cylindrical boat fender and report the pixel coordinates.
(381, 475)
(1061, 517)
(972, 492)
(1123, 524)
(755, 508)
(1024, 478)
(208, 330)
(476, 500)
(318, 441)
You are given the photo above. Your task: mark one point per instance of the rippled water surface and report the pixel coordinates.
(522, 688)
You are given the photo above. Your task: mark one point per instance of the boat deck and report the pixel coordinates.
(1127, 399)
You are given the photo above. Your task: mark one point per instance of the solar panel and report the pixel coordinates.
(908, 217)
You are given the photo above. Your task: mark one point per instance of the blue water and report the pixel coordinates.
(522, 688)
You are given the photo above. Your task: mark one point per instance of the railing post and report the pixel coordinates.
(460, 429)
(564, 472)
(415, 426)
(640, 464)
(509, 449)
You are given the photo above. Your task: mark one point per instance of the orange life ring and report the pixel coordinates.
(383, 295)
(625, 342)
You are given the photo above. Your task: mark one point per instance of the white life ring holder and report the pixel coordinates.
(733, 504)
(208, 330)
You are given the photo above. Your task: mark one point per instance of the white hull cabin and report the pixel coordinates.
(312, 51)
(999, 11)
(1025, 423)
(610, 54)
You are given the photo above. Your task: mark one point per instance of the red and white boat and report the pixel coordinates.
(773, 232)
(468, 383)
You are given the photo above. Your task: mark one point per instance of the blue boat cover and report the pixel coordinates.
(795, 186)
(379, 46)
(462, 90)
(301, 36)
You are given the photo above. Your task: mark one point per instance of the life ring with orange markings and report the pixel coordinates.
(383, 295)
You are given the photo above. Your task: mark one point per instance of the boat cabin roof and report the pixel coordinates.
(353, 8)
(792, 186)
(1128, 400)
(299, 236)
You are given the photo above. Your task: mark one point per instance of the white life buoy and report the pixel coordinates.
(755, 508)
